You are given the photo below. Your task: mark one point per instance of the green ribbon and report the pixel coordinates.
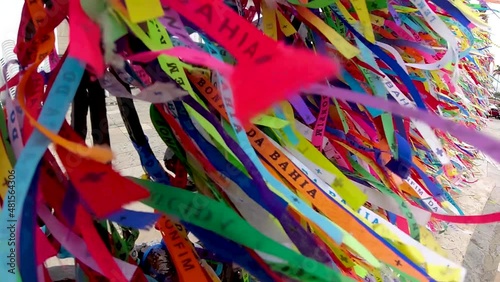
(166, 134)
(412, 223)
(314, 4)
(217, 217)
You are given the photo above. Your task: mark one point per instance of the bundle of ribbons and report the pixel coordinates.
(325, 139)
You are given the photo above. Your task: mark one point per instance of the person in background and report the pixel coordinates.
(90, 95)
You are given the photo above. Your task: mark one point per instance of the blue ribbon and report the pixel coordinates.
(27, 242)
(435, 190)
(407, 20)
(301, 238)
(402, 165)
(150, 164)
(51, 117)
(453, 11)
(70, 202)
(388, 60)
(229, 251)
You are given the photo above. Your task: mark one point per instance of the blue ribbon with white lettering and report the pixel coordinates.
(51, 117)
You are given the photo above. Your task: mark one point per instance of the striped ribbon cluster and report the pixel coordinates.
(325, 139)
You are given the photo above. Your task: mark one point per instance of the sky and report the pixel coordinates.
(10, 15)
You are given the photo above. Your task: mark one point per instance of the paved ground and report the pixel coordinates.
(126, 158)
(477, 248)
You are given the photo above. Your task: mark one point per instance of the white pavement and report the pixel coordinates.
(477, 247)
